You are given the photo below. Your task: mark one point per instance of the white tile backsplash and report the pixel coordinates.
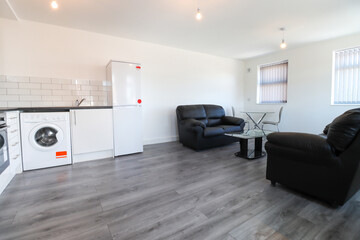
(41, 104)
(50, 86)
(52, 98)
(71, 98)
(62, 103)
(23, 91)
(71, 87)
(96, 83)
(61, 92)
(17, 91)
(9, 98)
(40, 80)
(19, 104)
(81, 93)
(17, 79)
(85, 87)
(8, 85)
(98, 93)
(30, 98)
(41, 92)
(29, 85)
(80, 82)
(61, 81)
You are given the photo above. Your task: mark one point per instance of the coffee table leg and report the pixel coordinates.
(255, 153)
(258, 144)
(243, 148)
(258, 148)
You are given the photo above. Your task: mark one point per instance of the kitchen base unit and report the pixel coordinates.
(92, 134)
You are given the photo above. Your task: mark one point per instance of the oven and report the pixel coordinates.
(4, 155)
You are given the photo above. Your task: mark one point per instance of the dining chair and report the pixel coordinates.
(272, 122)
(246, 122)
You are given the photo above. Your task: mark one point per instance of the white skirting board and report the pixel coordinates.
(160, 140)
(92, 156)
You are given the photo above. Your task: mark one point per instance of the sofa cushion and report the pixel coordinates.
(193, 123)
(191, 111)
(214, 111)
(310, 144)
(232, 120)
(203, 120)
(344, 129)
(231, 128)
(214, 122)
(213, 131)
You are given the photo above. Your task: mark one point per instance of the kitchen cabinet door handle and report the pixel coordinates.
(14, 131)
(13, 118)
(15, 144)
(16, 157)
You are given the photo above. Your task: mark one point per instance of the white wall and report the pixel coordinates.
(309, 85)
(169, 76)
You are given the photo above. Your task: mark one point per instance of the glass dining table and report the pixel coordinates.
(261, 114)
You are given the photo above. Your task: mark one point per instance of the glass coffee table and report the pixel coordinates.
(245, 152)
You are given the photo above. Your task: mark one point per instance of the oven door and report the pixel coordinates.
(4, 157)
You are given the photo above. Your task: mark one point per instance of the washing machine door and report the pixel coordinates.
(46, 136)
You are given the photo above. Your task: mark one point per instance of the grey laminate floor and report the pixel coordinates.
(167, 192)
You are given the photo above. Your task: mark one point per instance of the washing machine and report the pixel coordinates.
(45, 138)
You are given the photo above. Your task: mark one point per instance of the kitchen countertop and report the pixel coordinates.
(51, 109)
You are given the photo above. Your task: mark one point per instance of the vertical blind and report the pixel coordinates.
(346, 78)
(272, 86)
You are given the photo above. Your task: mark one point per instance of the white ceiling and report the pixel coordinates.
(230, 28)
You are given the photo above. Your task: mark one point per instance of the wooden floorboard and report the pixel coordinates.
(167, 192)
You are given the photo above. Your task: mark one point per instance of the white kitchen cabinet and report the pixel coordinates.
(91, 134)
(14, 144)
(14, 149)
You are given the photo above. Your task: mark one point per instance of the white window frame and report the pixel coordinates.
(258, 82)
(333, 79)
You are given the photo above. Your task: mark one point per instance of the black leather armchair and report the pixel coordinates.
(325, 166)
(203, 126)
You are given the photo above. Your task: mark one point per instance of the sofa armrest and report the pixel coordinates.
(232, 120)
(193, 123)
(309, 143)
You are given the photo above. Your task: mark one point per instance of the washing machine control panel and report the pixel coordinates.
(42, 118)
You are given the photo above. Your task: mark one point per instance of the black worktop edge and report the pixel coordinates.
(51, 109)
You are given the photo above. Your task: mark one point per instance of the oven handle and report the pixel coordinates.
(4, 127)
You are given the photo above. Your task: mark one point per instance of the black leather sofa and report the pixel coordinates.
(325, 166)
(203, 126)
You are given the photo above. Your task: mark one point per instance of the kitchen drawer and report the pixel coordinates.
(14, 150)
(13, 132)
(14, 142)
(15, 157)
(13, 122)
(12, 119)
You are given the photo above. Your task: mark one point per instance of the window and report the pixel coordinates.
(346, 76)
(272, 83)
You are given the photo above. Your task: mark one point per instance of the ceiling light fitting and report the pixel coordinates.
(54, 5)
(283, 44)
(198, 14)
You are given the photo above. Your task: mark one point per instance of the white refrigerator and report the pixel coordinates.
(126, 101)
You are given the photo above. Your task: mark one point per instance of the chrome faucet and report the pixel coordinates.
(77, 103)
